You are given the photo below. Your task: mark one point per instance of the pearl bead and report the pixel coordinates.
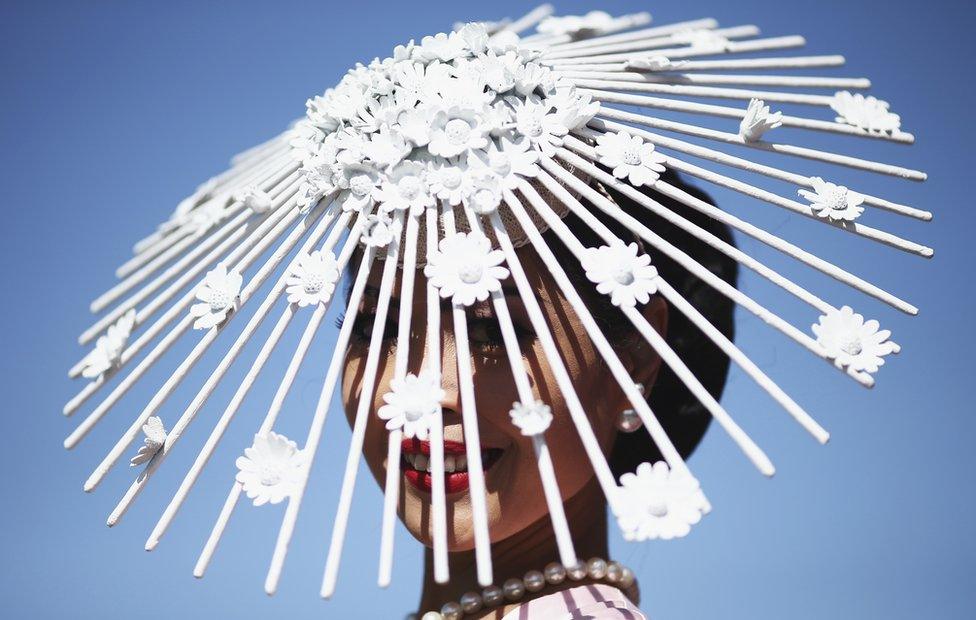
(577, 571)
(534, 581)
(470, 602)
(432, 615)
(492, 596)
(596, 568)
(614, 572)
(629, 421)
(451, 611)
(626, 578)
(555, 573)
(514, 589)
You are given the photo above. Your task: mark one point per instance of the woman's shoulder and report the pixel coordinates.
(590, 602)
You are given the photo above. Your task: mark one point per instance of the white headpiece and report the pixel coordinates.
(437, 157)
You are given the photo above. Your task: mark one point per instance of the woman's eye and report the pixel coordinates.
(484, 336)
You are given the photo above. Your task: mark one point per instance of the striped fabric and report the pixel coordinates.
(587, 602)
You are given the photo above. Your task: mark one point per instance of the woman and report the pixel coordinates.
(523, 541)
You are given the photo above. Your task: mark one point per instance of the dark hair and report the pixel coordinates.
(680, 413)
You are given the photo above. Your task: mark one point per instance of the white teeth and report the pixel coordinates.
(461, 463)
(421, 464)
(449, 464)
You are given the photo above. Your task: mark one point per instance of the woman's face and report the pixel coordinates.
(514, 491)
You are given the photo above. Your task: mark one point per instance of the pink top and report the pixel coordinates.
(596, 601)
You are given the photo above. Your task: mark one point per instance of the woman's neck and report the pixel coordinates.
(530, 549)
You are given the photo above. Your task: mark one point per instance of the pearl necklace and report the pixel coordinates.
(514, 589)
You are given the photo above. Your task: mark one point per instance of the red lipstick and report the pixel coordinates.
(415, 463)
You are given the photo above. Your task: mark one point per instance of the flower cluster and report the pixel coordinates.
(852, 342)
(271, 469)
(411, 403)
(108, 348)
(457, 119)
(658, 502)
(868, 113)
(833, 202)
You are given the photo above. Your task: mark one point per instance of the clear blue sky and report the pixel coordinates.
(111, 112)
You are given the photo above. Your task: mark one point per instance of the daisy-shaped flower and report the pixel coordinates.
(531, 76)
(153, 440)
(379, 231)
(630, 158)
(758, 120)
(314, 187)
(454, 131)
(361, 186)
(702, 39)
(573, 109)
(108, 348)
(868, 113)
(386, 148)
(312, 279)
(833, 202)
(531, 419)
(255, 199)
(498, 72)
(442, 46)
(485, 194)
(411, 403)
(620, 271)
(512, 160)
(449, 180)
(852, 342)
(271, 469)
(414, 123)
(536, 120)
(465, 268)
(405, 189)
(656, 502)
(654, 63)
(217, 296)
(475, 37)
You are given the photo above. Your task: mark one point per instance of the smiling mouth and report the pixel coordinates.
(416, 464)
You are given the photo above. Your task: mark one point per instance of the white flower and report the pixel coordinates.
(485, 194)
(313, 189)
(656, 502)
(852, 342)
(312, 279)
(475, 36)
(414, 123)
(630, 158)
(108, 348)
(511, 160)
(702, 40)
(217, 294)
(271, 469)
(593, 23)
(379, 231)
(449, 181)
(833, 202)
(654, 63)
(531, 419)
(619, 271)
(255, 199)
(536, 120)
(868, 113)
(443, 47)
(411, 403)
(758, 120)
(405, 189)
(386, 148)
(155, 437)
(454, 131)
(361, 187)
(465, 268)
(573, 109)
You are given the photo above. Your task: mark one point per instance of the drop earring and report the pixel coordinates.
(628, 421)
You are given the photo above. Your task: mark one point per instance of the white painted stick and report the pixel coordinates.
(632, 76)
(391, 492)
(744, 164)
(368, 386)
(682, 90)
(792, 62)
(647, 44)
(736, 113)
(774, 147)
(433, 361)
(656, 31)
(472, 436)
(530, 19)
(755, 45)
(547, 473)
